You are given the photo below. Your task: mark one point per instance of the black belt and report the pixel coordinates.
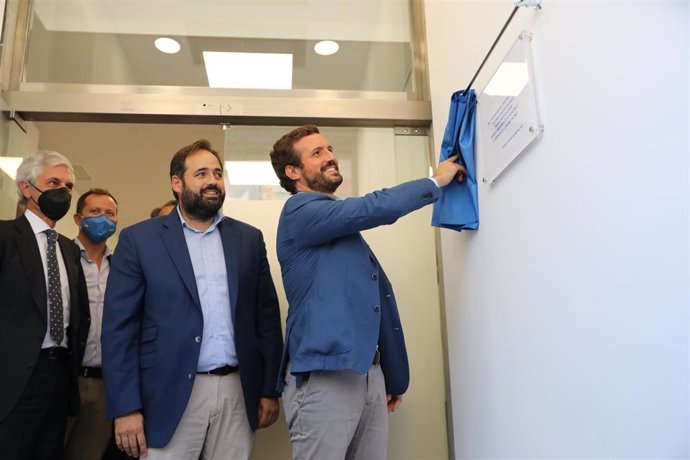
(91, 372)
(223, 370)
(304, 376)
(54, 352)
(377, 358)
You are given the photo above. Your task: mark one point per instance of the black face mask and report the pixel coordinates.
(54, 203)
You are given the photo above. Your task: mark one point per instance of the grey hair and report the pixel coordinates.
(33, 165)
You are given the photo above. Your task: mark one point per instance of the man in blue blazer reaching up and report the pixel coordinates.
(344, 364)
(191, 327)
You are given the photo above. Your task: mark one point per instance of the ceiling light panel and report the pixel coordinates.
(248, 70)
(251, 173)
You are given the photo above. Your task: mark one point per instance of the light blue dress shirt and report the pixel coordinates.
(208, 260)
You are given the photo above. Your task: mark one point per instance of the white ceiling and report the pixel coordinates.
(354, 20)
(112, 42)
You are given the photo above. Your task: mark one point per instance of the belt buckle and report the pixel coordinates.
(54, 352)
(91, 372)
(221, 371)
(377, 358)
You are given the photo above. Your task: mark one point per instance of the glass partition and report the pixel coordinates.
(250, 176)
(132, 161)
(108, 42)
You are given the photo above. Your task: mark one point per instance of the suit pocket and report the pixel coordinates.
(329, 326)
(149, 334)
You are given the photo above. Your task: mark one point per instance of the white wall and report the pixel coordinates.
(568, 310)
(407, 253)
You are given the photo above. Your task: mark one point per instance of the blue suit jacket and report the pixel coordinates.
(152, 319)
(341, 304)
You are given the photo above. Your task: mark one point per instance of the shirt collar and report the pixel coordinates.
(38, 225)
(216, 220)
(85, 254)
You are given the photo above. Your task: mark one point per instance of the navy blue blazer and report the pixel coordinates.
(152, 318)
(341, 304)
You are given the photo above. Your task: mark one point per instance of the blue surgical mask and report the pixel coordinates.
(98, 228)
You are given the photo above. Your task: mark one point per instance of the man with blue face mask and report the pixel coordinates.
(89, 433)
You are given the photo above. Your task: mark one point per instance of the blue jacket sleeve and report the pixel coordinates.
(316, 218)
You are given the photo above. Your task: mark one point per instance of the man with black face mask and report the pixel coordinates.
(43, 297)
(96, 216)
(191, 328)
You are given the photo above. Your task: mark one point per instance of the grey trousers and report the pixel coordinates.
(337, 415)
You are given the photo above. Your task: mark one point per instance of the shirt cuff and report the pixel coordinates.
(434, 181)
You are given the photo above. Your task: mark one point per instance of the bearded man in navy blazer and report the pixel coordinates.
(344, 365)
(191, 327)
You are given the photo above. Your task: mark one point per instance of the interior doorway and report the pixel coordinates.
(132, 161)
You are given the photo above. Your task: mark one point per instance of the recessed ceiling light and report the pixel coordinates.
(248, 70)
(326, 47)
(167, 45)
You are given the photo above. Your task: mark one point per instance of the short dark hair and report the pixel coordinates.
(81, 202)
(177, 164)
(283, 154)
(156, 211)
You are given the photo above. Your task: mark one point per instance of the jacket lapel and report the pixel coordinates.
(72, 269)
(173, 237)
(231, 250)
(33, 266)
(68, 255)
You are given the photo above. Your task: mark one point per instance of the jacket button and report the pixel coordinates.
(374, 276)
(197, 339)
(377, 308)
(190, 376)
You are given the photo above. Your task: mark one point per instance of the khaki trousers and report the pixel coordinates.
(89, 432)
(214, 425)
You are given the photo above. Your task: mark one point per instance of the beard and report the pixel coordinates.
(199, 207)
(321, 183)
